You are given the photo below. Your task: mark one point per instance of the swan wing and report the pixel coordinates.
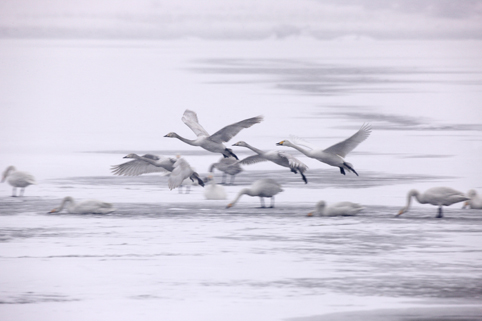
(182, 170)
(190, 119)
(135, 168)
(228, 132)
(349, 144)
(252, 160)
(293, 161)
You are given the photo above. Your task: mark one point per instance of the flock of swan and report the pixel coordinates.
(181, 173)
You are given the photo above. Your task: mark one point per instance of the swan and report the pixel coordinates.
(181, 171)
(84, 207)
(337, 209)
(229, 166)
(475, 201)
(265, 187)
(17, 179)
(333, 155)
(147, 163)
(277, 157)
(214, 191)
(438, 196)
(214, 142)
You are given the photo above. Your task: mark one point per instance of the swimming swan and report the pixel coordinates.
(229, 166)
(263, 188)
(214, 142)
(438, 196)
(475, 201)
(17, 179)
(214, 191)
(277, 157)
(337, 209)
(333, 155)
(147, 163)
(84, 207)
(181, 171)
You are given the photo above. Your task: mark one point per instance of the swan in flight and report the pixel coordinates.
(214, 142)
(214, 191)
(17, 179)
(229, 166)
(147, 163)
(337, 209)
(277, 157)
(265, 187)
(438, 196)
(475, 201)
(181, 171)
(333, 155)
(84, 207)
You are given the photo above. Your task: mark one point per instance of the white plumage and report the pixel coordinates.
(475, 201)
(213, 191)
(17, 179)
(84, 207)
(265, 187)
(182, 170)
(337, 209)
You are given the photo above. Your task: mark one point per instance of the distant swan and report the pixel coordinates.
(333, 155)
(337, 209)
(214, 142)
(438, 196)
(147, 163)
(213, 191)
(475, 201)
(17, 179)
(84, 207)
(263, 188)
(275, 156)
(181, 171)
(229, 166)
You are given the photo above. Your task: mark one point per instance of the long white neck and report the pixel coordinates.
(241, 193)
(300, 149)
(67, 200)
(187, 141)
(254, 149)
(413, 193)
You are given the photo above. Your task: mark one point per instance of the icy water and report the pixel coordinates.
(176, 256)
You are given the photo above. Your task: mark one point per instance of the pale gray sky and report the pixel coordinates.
(256, 19)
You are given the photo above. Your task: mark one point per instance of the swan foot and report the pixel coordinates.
(294, 170)
(351, 168)
(342, 170)
(304, 178)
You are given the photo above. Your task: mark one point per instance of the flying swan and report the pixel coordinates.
(214, 142)
(475, 201)
(333, 155)
(17, 179)
(337, 209)
(147, 163)
(277, 157)
(265, 187)
(84, 207)
(181, 171)
(438, 196)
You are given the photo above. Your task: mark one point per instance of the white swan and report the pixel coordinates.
(214, 191)
(333, 155)
(275, 156)
(438, 196)
(84, 207)
(17, 179)
(475, 201)
(214, 142)
(265, 187)
(337, 209)
(181, 171)
(147, 163)
(229, 166)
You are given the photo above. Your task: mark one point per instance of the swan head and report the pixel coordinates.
(472, 193)
(403, 210)
(55, 210)
(171, 134)
(7, 172)
(240, 143)
(130, 156)
(229, 205)
(283, 143)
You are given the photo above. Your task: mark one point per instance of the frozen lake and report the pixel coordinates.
(74, 108)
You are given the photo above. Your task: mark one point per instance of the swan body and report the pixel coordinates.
(214, 142)
(84, 207)
(17, 179)
(182, 170)
(147, 163)
(438, 196)
(262, 188)
(333, 155)
(277, 157)
(214, 191)
(337, 209)
(229, 166)
(475, 201)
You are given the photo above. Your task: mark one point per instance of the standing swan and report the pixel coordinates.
(17, 179)
(84, 207)
(229, 166)
(475, 201)
(277, 157)
(337, 209)
(263, 188)
(181, 171)
(438, 196)
(333, 155)
(214, 142)
(147, 163)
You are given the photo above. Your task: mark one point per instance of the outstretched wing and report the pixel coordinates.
(135, 168)
(182, 170)
(349, 144)
(293, 161)
(228, 132)
(190, 119)
(252, 160)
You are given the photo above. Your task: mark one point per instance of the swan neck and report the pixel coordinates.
(254, 149)
(241, 193)
(187, 141)
(298, 148)
(66, 200)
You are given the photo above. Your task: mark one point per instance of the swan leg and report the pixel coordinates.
(14, 192)
(262, 201)
(351, 168)
(272, 202)
(440, 213)
(294, 170)
(232, 180)
(224, 179)
(304, 177)
(342, 170)
(22, 190)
